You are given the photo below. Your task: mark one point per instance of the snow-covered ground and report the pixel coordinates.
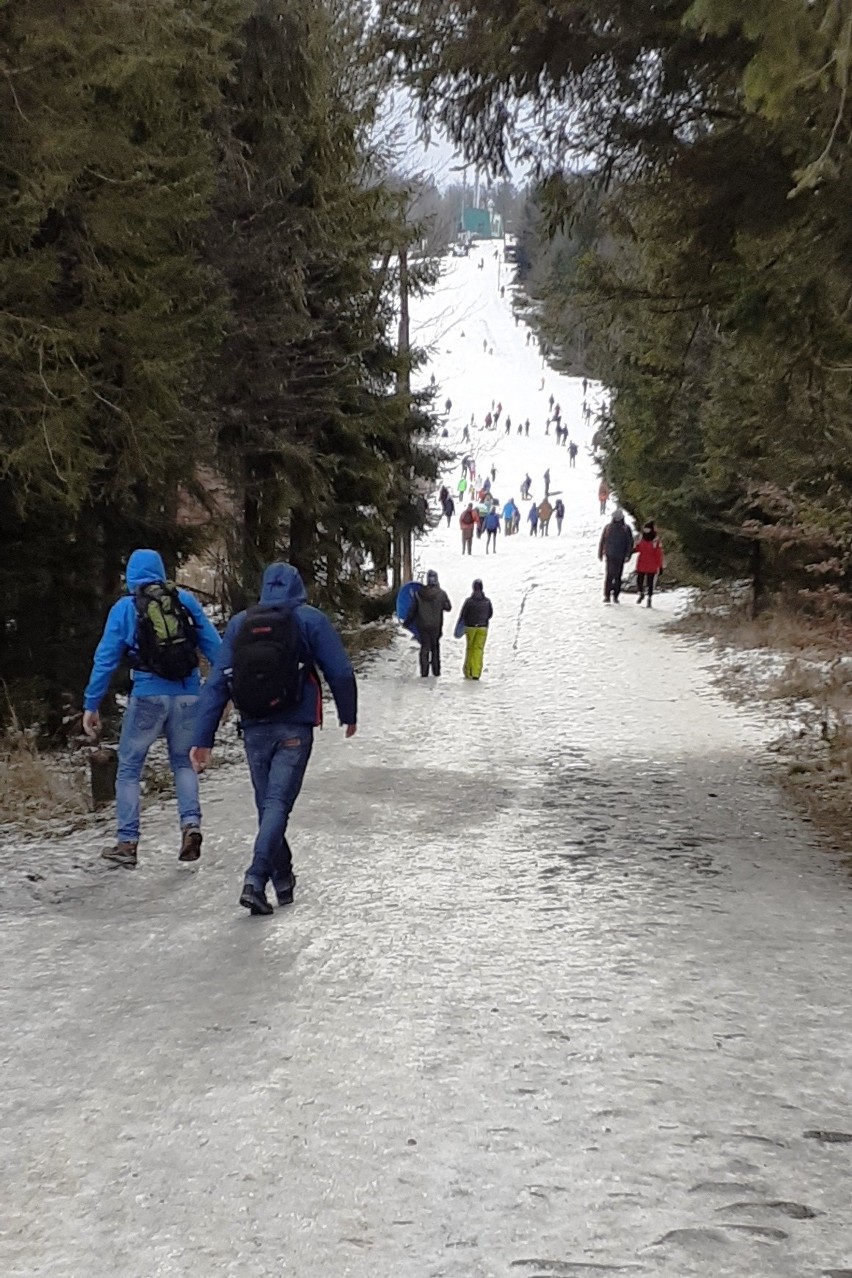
(564, 992)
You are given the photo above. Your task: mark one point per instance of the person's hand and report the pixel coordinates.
(199, 757)
(351, 729)
(92, 724)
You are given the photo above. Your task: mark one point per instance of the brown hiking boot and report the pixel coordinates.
(121, 854)
(190, 847)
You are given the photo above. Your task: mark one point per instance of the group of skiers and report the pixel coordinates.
(426, 618)
(267, 663)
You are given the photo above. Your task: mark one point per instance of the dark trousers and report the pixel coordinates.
(430, 652)
(491, 540)
(278, 755)
(645, 581)
(467, 540)
(614, 573)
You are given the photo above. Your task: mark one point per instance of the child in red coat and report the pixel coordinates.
(650, 561)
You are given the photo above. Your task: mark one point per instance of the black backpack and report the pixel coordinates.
(266, 675)
(166, 633)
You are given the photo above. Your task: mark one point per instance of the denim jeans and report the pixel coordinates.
(146, 719)
(278, 755)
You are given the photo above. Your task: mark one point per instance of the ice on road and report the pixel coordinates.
(565, 990)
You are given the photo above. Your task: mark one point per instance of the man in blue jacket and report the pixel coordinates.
(278, 740)
(158, 704)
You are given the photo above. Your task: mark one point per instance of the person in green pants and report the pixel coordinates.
(475, 615)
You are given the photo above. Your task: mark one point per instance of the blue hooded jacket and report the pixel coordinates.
(321, 646)
(119, 638)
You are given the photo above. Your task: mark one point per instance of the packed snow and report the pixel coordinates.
(564, 990)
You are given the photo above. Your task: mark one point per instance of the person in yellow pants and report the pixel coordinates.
(474, 617)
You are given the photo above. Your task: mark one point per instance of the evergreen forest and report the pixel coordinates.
(688, 241)
(202, 252)
(205, 247)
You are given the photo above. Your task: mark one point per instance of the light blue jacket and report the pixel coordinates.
(119, 638)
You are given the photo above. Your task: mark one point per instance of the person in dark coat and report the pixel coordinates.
(279, 744)
(475, 615)
(427, 614)
(616, 547)
(492, 527)
(449, 508)
(559, 512)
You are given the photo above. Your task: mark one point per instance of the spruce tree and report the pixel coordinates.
(108, 313)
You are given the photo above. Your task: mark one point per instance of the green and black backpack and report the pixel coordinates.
(166, 634)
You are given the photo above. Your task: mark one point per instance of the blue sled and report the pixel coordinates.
(404, 600)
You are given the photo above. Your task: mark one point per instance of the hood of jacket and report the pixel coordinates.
(282, 584)
(144, 567)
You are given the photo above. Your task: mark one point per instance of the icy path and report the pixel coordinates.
(564, 990)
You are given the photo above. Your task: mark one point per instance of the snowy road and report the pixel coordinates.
(565, 990)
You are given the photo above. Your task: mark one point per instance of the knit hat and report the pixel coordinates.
(618, 515)
(431, 577)
(477, 585)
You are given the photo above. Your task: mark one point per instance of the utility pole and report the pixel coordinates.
(403, 556)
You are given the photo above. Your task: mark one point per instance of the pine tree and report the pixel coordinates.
(317, 444)
(107, 312)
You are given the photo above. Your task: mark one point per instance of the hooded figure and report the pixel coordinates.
(271, 653)
(533, 520)
(475, 615)
(427, 614)
(616, 546)
(650, 561)
(158, 629)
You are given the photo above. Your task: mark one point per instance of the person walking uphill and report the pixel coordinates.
(492, 528)
(545, 514)
(650, 562)
(268, 665)
(427, 614)
(475, 615)
(467, 523)
(161, 630)
(616, 545)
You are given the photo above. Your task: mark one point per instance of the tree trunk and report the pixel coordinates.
(758, 584)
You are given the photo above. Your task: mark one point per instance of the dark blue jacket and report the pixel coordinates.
(321, 646)
(616, 540)
(119, 638)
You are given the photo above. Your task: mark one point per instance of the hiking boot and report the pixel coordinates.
(254, 900)
(285, 892)
(190, 844)
(640, 598)
(121, 854)
(649, 601)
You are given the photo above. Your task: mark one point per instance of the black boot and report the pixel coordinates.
(254, 900)
(190, 844)
(285, 891)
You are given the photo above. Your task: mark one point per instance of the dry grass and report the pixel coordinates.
(724, 615)
(31, 785)
(803, 665)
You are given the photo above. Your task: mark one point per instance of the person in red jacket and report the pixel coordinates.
(650, 561)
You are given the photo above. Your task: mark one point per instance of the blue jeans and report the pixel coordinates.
(146, 719)
(278, 755)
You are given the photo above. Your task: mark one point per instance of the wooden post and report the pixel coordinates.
(103, 767)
